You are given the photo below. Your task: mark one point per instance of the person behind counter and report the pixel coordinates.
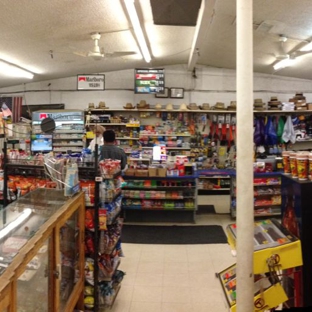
(110, 150)
(98, 131)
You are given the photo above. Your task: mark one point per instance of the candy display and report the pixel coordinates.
(109, 167)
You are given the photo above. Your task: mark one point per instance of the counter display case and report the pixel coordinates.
(42, 252)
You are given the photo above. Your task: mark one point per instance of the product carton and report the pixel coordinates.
(141, 173)
(161, 172)
(152, 172)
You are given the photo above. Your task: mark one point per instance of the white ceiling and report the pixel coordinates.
(29, 30)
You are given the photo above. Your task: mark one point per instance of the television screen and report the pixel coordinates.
(41, 143)
(149, 80)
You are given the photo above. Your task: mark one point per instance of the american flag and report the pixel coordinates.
(15, 105)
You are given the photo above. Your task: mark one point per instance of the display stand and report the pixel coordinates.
(275, 249)
(103, 253)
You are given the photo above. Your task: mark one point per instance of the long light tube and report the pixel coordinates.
(19, 220)
(137, 29)
(284, 63)
(12, 70)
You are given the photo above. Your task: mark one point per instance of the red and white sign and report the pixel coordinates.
(91, 82)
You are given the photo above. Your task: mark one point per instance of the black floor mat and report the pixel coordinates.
(198, 234)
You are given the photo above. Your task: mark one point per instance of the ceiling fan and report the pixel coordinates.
(97, 53)
(286, 59)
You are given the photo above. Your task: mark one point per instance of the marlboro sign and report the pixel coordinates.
(90, 82)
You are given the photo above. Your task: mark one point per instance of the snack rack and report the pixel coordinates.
(105, 248)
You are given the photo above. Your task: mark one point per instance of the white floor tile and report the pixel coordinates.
(150, 267)
(176, 307)
(178, 279)
(147, 293)
(149, 279)
(145, 306)
(175, 267)
(176, 294)
(120, 306)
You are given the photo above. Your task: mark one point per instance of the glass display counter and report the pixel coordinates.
(42, 252)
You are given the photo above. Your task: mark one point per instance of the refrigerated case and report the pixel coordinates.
(42, 252)
(67, 136)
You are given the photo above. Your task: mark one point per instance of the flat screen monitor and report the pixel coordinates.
(41, 143)
(149, 80)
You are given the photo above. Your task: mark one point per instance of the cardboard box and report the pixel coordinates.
(309, 106)
(152, 172)
(161, 172)
(141, 173)
(130, 172)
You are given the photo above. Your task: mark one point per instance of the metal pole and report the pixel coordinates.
(245, 211)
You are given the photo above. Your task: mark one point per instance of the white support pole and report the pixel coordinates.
(244, 179)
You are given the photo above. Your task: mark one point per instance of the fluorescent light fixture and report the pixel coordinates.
(284, 63)
(12, 70)
(18, 221)
(138, 29)
(307, 47)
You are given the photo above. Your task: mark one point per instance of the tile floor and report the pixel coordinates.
(174, 278)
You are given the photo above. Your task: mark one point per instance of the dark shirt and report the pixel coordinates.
(114, 152)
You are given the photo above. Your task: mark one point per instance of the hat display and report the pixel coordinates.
(219, 105)
(299, 96)
(142, 104)
(169, 106)
(183, 107)
(259, 104)
(129, 106)
(232, 106)
(193, 106)
(274, 103)
(102, 105)
(205, 106)
(91, 105)
(158, 106)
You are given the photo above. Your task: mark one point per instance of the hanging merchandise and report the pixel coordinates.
(280, 129)
(270, 132)
(259, 131)
(289, 132)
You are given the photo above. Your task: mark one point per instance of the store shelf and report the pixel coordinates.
(160, 188)
(109, 278)
(268, 184)
(260, 214)
(69, 131)
(109, 306)
(214, 189)
(126, 138)
(69, 144)
(158, 208)
(139, 159)
(142, 135)
(67, 138)
(157, 198)
(169, 148)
